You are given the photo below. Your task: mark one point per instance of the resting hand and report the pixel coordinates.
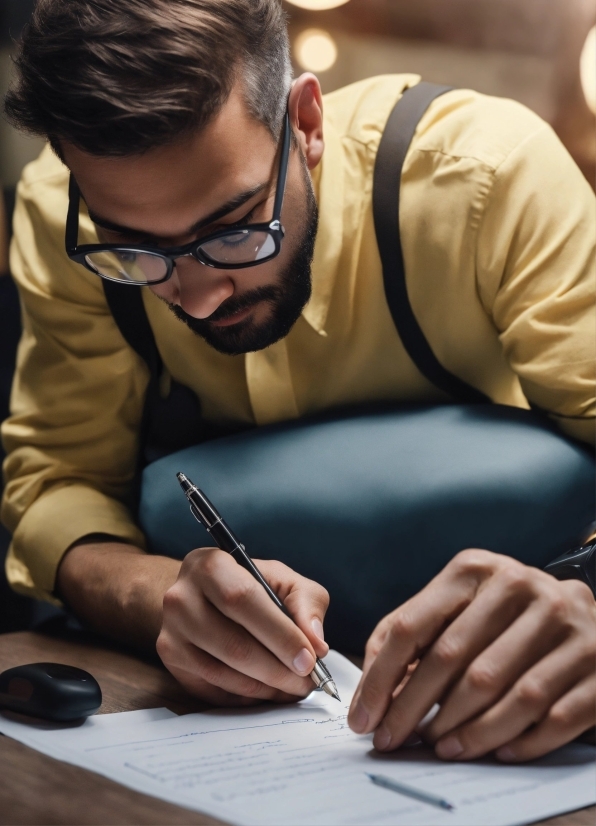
(226, 641)
(506, 650)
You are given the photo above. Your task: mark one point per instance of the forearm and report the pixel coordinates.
(117, 589)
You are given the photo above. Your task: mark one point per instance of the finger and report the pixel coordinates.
(526, 703)
(375, 643)
(226, 641)
(306, 600)
(469, 633)
(213, 681)
(468, 568)
(240, 598)
(495, 670)
(569, 717)
(408, 631)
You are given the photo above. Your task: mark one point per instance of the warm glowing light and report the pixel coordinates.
(315, 50)
(318, 5)
(587, 68)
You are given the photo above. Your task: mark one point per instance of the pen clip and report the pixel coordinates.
(199, 516)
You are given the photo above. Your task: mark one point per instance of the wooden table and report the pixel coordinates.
(35, 789)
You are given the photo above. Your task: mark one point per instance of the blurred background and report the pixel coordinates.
(539, 52)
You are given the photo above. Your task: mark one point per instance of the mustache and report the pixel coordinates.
(231, 305)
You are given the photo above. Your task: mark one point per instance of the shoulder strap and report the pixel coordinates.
(128, 310)
(391, 155)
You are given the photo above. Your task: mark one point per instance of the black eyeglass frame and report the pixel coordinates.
(169, 254)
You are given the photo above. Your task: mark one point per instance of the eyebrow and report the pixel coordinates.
(231, 205)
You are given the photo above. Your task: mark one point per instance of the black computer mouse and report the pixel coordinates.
(50, 690)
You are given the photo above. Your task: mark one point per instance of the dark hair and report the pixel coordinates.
(118, 77)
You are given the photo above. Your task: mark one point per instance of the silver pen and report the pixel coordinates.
(223, 536)
(410, 791)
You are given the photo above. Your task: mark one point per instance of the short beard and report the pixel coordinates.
(287, 299)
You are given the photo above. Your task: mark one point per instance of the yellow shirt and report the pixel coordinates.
(497, 226)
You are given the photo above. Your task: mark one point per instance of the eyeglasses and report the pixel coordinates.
(228, 249)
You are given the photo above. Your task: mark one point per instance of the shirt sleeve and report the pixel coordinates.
(536, 272)
(76, 401)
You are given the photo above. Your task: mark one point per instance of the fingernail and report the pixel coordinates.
(505, 754)
(304, 662)
(382, 738)
(449, 748)
(359, 719)
(317, 627)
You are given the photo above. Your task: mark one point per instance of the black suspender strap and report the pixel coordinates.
(167, 424)
(127, 308)
(391, 155)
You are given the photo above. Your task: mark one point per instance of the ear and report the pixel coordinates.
(305, 106)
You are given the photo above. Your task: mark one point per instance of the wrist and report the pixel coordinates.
(117, 589)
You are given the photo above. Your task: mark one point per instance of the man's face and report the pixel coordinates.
(223, 176)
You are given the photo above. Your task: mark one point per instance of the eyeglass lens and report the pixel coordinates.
(241, 247)
(128, 265)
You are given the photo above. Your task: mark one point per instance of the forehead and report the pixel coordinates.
(173, 186)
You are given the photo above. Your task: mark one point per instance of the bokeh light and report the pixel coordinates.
(315, 50)
(587, 67)
(318, 5)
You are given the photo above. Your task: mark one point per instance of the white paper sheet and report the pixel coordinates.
(301, 764)
(60, 739)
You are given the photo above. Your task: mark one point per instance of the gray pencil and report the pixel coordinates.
(410, 791)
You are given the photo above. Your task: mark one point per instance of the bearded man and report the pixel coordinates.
(234, 206)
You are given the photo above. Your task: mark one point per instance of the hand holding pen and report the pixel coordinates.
(205, 513)
(225, 640)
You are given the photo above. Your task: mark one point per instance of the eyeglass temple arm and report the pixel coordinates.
(283, 168)
(72, 217)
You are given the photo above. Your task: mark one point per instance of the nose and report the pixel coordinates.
(200, 289)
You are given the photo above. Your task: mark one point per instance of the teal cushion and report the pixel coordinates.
(373, 505)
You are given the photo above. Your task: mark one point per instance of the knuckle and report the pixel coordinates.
(236, 594)
(447, 651)
(515, 579)
(173, 599)
(561, 716)
(578, 592)
(531, 693)
(400, 626)
(165, 647)
(481, 677)
(472, 560)
(558, 608)
(323, 597)
(372, 648)
(207, 561)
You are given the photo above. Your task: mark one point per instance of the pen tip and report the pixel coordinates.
(336, 696)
